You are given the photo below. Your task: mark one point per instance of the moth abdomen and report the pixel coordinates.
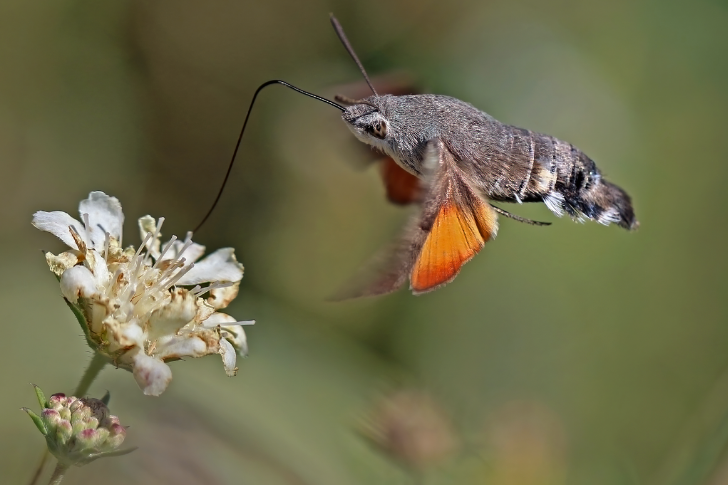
(524, 166)
(579, 189)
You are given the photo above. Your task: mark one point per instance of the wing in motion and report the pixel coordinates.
(452, 226)
(401, 186)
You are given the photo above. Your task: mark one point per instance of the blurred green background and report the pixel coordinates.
(563, 355)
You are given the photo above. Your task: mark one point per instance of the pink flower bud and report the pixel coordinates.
(89, 433)
(50, 418)
(64, 431)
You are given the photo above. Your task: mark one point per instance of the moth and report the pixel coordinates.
(453, 160)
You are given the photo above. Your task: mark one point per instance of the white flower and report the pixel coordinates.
(131, 303)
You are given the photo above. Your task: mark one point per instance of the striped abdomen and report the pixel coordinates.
(522, 166)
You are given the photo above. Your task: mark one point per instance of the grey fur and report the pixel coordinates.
(504, 163)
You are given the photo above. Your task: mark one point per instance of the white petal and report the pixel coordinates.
(221, 297)
(147, 224)
(99, 311)
(105, 215)
(181, 346)
(97, 264)
(218, 319)
(179, 310)
(236, 336)
(204, 311)
(151, 374)
(123, 335)
(78, 282)
(193, 252)
(57, 223)
(218, 266)
(228, 357)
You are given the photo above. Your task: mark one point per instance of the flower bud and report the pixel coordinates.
(64, 433)
(51, 418)
(90, 439)
(65, 413)
(78, 431)
(117, 433)
(57, 401)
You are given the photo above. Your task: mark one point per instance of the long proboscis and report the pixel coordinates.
(242, 131)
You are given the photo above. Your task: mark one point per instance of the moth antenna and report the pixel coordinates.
(342, 37)
(240, 137)
(346, 100)
(519, 218)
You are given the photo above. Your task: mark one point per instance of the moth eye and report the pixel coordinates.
(378, 130)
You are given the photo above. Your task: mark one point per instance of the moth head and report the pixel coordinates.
(365, 119)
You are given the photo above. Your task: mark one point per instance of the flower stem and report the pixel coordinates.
(94, 367)
(58, 474)
(39, 470)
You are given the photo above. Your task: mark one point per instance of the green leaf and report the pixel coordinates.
(37, 420)
(109, 454)
(41, 397)
(106, 454)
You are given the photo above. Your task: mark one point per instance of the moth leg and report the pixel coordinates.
(519, 218)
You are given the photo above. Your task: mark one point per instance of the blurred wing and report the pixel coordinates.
(463, 222)
(453, 225)
(460, 230)
(402, 187)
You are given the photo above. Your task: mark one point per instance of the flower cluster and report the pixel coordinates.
(145, 307)
(78, 431)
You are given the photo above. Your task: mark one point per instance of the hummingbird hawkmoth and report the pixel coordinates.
(452, 160)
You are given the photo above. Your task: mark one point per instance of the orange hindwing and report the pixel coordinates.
(453, 224)
(459, 231)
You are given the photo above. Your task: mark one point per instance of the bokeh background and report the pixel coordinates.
(562, 355)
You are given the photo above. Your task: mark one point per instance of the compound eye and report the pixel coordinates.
(378, 130)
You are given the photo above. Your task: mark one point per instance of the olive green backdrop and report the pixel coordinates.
(618, 340)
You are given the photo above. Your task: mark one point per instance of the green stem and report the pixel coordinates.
(58, 474)
(39, 470)
(94, 367)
